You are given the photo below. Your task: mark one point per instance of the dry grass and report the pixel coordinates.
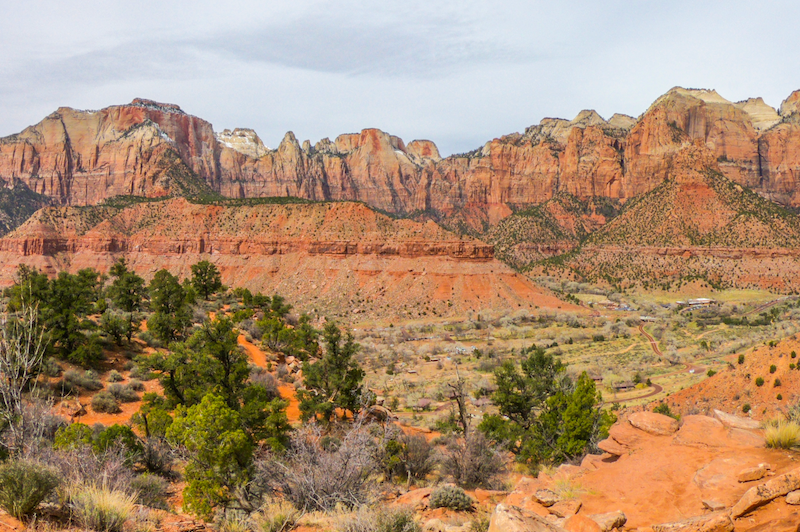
(782, 434)
(277, 515)
(101, 509)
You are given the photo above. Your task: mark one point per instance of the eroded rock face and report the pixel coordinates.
(83, 157)
(766, 492)
(652, 423)
(515, 519)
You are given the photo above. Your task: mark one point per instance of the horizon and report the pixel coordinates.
(457, 73)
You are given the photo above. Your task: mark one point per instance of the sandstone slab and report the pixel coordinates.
(751, 474)
(565, 508)
(702, 431)
(736, 422)
(611, 446)
(610, 520)
(652, 423)
(546, 498)
(515, 519)
(717, 522)
(764, 493)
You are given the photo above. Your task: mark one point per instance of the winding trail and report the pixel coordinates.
(287, 391)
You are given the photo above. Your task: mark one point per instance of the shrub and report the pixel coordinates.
(115, 376)
(711, 373)
(746, 408)
(663, 408)
(782, 434)
(473, 461)
(779, 397)
(105, 402)
(23, 485)
(793, 354)
(151, 491)
(157, 456)
(87, 380)
(142, 374)
(759, 381)
(123, 393)
(773, 368)
(776, 383)
(314, 476)
(384, 519)
(136, 385)
(451, 497)
(276, 515)
(741, 359)
(100, 508)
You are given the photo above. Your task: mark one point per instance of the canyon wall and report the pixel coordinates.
(84, 157)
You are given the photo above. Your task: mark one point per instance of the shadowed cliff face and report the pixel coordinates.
(84, 157)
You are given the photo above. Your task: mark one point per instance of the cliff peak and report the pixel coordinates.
(157, 106)
(791, 104)
(762, 115)
(243, 140)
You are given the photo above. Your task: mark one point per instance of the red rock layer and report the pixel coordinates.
(341, 256)
(81, 158)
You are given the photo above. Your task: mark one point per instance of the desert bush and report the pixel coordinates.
(157, 456)
(314, 476)
(136, 385)
(115, 376)
(151, 490)
(473, 461)
(148, 338)
(51, 368)
(23, 485)
(142, 374)
(746, 408)
(385, 519)
(776, 383)
(408, 456)
(123, 393)
(100, 508)
(740, 360)
(773, 368)
(83, 465)
(782, 434)
(87, 380)
(759, 381)
(275, 515)
(451, 497)
(105, 402)
(268, 382)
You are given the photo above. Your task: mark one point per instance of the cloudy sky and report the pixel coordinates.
(458, 72)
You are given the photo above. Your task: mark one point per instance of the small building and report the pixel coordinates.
(701, 301)
(649, 319)
(624, 386)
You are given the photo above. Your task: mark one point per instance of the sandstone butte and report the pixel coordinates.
(319, 255)
(83, 157)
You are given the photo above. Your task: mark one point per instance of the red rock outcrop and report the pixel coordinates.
(83, 157)
(323, 256)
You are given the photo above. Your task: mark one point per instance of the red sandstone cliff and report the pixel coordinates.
(83, 157)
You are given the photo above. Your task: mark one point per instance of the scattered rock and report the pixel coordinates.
(793, 498)
(713, 505)
(718, 522)
(565, 508)
(611, 446)
(610, 520)
(652, 423)
(546, 498)
(764, 493)
(736, 422)
(581, 523)
(514, 519)
(752, 473)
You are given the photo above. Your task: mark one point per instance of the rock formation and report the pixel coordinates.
(83, 157)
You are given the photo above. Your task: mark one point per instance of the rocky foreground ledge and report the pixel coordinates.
(702, 474)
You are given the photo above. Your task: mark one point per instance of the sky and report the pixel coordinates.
(457, 72)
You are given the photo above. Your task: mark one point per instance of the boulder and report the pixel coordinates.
(515, 519)
(793, 498)
(652, 423)
(546, 498)
(581, 523)
(764, 493)
(626, 435)
(609, 521)
(736, 422)
(565, 508)
(612, 447)
(415, 499)
(716, 522)
(751, 474)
